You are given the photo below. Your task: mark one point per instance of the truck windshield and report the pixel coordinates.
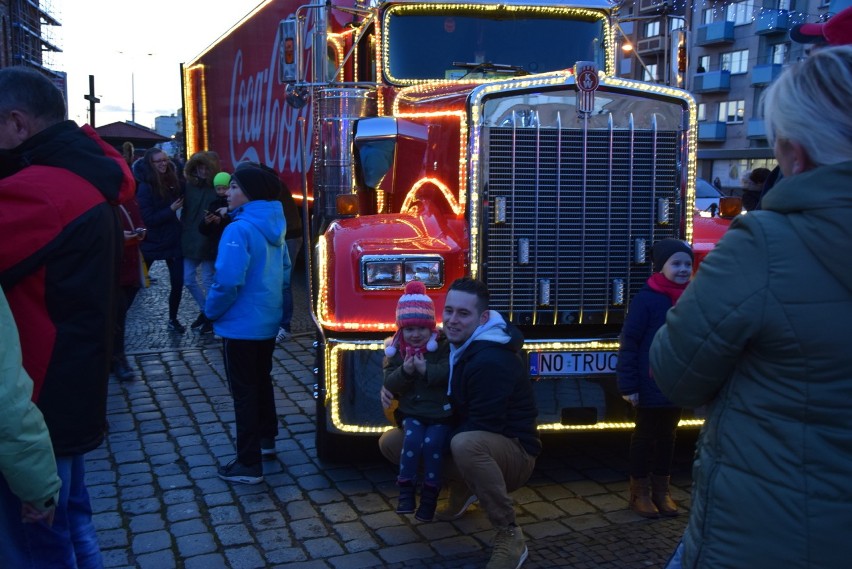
(427, 45)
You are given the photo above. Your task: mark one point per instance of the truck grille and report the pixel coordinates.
(579, 215)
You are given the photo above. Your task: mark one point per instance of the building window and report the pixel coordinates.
(652, 29)
(702, 112)
(740, 13)
(732, 112)
(707, 17)
(677, 23)
(703, 64)
(779, 53)
(735, 61)
(650, 72)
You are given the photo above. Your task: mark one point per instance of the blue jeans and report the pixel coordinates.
(293, 246)
(190, 279)
(71, 543)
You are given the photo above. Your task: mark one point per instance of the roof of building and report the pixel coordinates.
(129, 131)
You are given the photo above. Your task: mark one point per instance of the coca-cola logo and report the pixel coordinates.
(262, 127)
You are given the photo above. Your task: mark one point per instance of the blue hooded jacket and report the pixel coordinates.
(246, 299)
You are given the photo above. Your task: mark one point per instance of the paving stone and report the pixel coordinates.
(160, 504)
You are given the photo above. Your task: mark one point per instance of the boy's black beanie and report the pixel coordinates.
(665, 248)
(257, 182)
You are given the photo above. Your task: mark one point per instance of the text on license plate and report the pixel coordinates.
(572, 363)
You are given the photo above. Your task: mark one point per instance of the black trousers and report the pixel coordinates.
(175, 265)
(248, 364)
(653, 441)
(123, 301)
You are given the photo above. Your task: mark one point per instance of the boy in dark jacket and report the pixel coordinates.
(416, 370)
(656, 417)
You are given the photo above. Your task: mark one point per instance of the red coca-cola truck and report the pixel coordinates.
(434, 140)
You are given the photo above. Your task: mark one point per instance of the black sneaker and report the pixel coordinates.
(236, 472)
(267, 448)
(199, 322)
(176, 326)
(206, 328)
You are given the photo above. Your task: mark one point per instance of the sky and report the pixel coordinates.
(134, 50)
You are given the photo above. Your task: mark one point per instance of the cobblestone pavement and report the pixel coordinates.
(159, 504)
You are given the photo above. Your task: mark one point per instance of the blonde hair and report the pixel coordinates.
(809, 103)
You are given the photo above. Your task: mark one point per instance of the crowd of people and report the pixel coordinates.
(80, 225)
(757, 336)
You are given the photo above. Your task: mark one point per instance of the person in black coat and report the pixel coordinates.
(653, 438)
(160, 198)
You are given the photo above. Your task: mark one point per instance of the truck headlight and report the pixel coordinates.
(385, 271)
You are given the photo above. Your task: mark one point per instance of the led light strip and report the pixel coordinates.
(335, 351)
(485, 8)
(460, 202)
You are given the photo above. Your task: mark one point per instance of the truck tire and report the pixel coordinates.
(329, 446)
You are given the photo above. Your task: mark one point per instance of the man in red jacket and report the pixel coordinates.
(60, 243)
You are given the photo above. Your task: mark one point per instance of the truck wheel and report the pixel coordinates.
(329, 446)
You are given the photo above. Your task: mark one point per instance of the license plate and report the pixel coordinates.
(572, 363)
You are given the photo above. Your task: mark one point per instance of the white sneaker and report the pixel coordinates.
(283, 335)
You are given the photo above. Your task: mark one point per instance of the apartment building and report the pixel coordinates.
(726, 54)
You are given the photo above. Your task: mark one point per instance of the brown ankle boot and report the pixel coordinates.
(640, 498)
(661, 496)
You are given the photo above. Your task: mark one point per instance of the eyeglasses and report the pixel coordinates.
(161, 161)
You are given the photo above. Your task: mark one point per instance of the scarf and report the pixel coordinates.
(659, 283)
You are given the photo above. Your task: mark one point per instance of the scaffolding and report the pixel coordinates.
(33, 28)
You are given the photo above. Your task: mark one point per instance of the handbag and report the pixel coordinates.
(144, 279)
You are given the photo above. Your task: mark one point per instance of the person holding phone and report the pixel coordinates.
(199, 251)
(160, 198)
(131, 278)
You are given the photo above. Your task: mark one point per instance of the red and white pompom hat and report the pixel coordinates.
(414, 308)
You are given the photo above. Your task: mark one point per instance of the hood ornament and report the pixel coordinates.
(586, 77)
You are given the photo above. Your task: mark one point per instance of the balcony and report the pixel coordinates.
(649, 6)
(755, 129)
(712, 132)
(649, 45)
(716, 33)
(771, 22)
(765, 74)
(712, 82)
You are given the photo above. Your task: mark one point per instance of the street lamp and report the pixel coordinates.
(665, 18)
(627, 48)
(133, 84)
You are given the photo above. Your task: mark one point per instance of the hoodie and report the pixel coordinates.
(490, 387)
(246, 299)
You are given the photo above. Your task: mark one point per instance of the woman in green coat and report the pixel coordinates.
(762, 337)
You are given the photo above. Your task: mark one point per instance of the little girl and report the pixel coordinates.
(653, 437)
(416, 370)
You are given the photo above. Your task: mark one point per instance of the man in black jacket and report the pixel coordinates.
(495, 443)
(60, 242)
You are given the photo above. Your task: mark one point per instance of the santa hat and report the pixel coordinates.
(414, 308)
